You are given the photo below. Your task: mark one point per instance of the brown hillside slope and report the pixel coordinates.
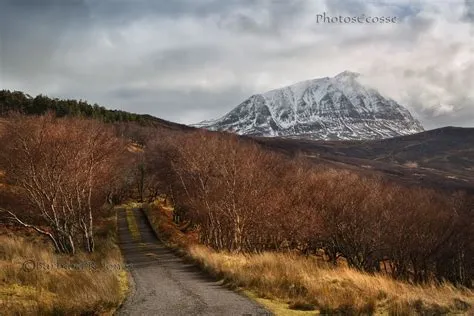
(442, 158)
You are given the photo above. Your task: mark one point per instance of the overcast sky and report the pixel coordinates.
(190, 60)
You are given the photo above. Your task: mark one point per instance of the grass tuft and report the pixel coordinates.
(132, 225)
(60, 284)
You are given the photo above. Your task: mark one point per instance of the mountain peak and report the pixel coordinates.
(326, 108)
(347, 74)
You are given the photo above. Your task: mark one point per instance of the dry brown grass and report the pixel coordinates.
(307, 283)
(160, 214)
(60, 284)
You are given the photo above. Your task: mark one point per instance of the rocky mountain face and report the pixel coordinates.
(338, 108)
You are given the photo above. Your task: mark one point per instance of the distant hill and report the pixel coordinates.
(26, 104)
(441, 157)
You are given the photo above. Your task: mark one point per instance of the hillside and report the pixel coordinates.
(442, 157)
(20, 102)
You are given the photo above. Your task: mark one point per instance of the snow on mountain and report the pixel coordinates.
(327, 108)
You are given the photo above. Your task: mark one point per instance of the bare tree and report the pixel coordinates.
(60, 168)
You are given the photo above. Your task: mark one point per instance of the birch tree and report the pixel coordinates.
(59, 168)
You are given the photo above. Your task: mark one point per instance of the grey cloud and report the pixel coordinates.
(407, 11)
(469, 10)
(122, 11)
(177, 105)
(407, 33)
(30, 32)
(351, 7)
(278, 17)
(452, 101)
(358, 7)
(239, 22)
(461, 117)
(182, 59)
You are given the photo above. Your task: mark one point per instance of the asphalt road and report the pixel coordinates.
(163, 284)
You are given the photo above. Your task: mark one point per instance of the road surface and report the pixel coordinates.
(163, 284)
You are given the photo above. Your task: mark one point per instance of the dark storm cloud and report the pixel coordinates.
(123, 10)
(30, 32)
(119, 11)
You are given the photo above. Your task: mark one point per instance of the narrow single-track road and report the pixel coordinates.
(163, 284)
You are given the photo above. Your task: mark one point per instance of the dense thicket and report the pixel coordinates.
(59, 174)
(241, 198)
(19, 102)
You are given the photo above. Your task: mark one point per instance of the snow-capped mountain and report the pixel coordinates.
(326, 108)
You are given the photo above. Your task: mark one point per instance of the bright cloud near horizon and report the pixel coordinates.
(191, 60)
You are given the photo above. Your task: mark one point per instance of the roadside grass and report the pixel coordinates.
(34, 280)
(306, 284)
(160, 215)
(290, 284)
(132, 224)
(278, 307)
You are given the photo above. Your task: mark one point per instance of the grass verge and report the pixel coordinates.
(132, 224)
(290, 284)
(34, 280)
